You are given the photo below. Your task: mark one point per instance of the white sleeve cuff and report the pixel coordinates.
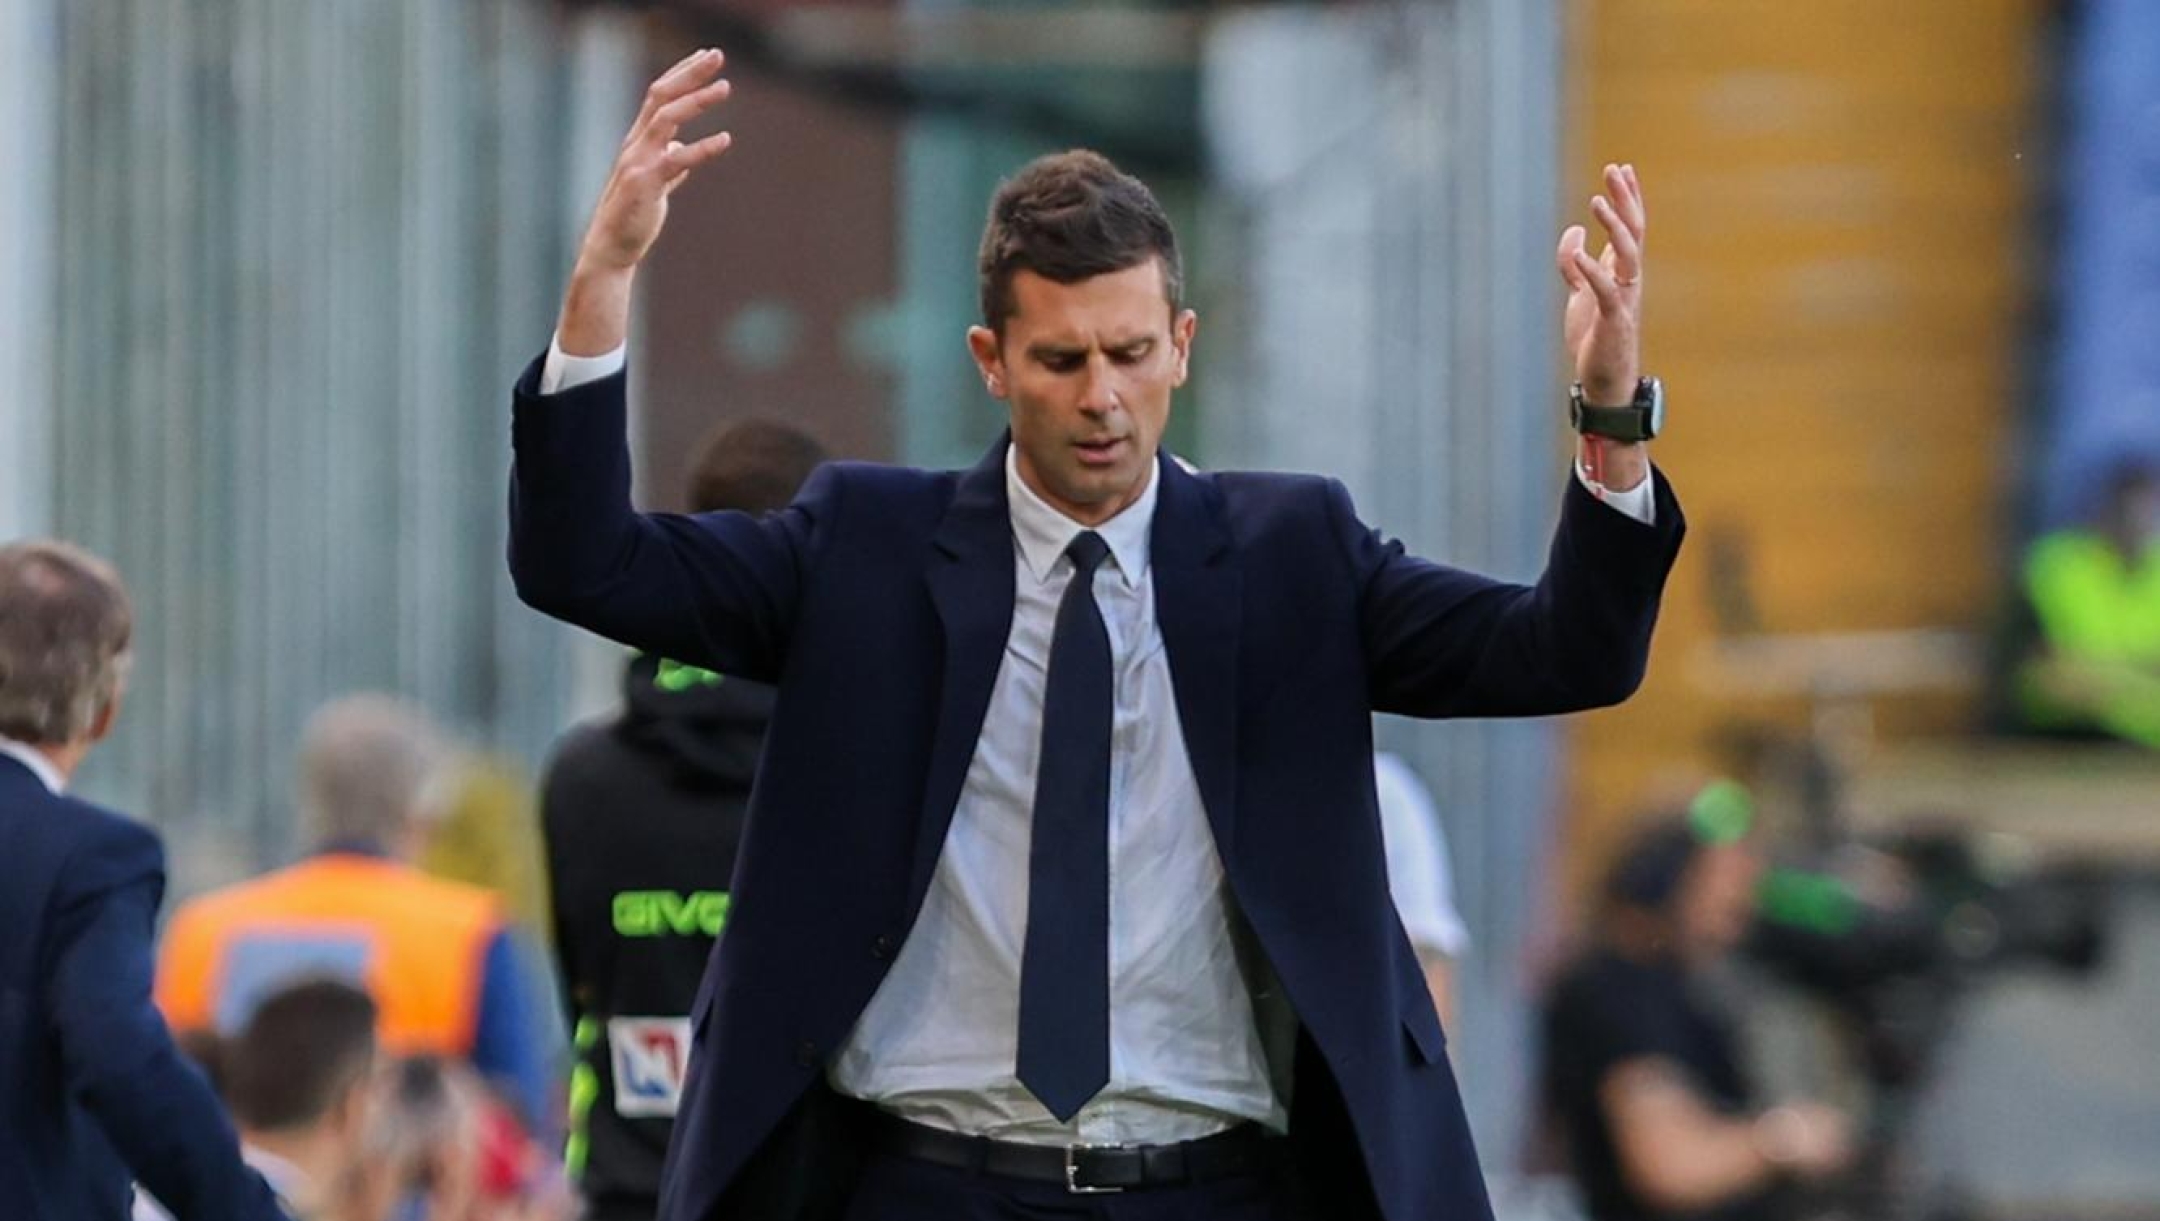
(1638, 502)
(562, 371)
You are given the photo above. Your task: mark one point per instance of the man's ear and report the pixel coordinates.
(349, 1114)
(989, 359)
(364, 1097)
(106, 715)
(1182, 330)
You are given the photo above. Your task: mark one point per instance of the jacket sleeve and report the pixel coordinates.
(713, 589)
(154, 1107)
(1442, 642)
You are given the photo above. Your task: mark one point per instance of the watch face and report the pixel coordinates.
(1656, 413)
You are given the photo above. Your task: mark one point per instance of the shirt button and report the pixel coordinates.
(806, 1054)
(884, 946)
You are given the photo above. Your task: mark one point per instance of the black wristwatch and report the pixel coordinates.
(1638, 421)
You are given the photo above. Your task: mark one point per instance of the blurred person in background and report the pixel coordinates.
(965, 973)
(2094, 592)
(641, 815)
(423, 1149)
(442, 1147)
(437, 956)
(92, 1090)
(1420, 870)
(482, 830)
(1644, 1076)
(302, 1081)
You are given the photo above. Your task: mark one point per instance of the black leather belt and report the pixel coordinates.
(1082, 1169)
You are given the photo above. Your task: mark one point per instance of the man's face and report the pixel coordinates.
(1716, 902)
(1087, 370)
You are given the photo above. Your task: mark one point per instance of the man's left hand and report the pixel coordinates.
(1604, 309)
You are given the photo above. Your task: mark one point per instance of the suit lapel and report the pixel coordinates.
(1197, 606)
(970, 576)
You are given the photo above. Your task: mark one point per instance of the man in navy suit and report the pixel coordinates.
(1063, 877)
(92, 1091)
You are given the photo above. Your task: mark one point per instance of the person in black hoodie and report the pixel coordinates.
(641, 815)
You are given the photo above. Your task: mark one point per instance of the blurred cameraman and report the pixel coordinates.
(1643, 1072)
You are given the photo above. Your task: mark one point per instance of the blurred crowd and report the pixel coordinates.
(382, 1033)
(381, 1016)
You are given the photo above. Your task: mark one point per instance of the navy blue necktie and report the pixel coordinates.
(1064, 1049)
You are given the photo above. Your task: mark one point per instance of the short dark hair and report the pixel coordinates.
(303, 1049)
(1647, 872)
(1067, 217)
(755, 466)
(65, 624)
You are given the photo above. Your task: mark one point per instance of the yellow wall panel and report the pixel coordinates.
(1838, 198)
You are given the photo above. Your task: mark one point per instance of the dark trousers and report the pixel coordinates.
(894, 1188)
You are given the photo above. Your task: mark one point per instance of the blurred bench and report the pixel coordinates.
(2067, 798)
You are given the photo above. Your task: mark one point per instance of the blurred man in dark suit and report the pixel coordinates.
(92, 1090)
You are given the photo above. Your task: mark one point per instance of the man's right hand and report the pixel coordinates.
(1805, 1139)
(633, 206)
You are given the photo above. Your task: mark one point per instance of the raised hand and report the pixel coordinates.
(653, 162)
(633, 205)
(1604, 309)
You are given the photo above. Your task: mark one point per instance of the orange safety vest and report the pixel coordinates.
(417, 943)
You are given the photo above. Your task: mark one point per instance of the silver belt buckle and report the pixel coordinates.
(1073, 1186)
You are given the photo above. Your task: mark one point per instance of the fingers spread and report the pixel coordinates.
(669, 119)
(1626, 192)
(693, 70)
(1571, 245)
(681, 158)
(1600, 280)
(689, 72)
(1625, 252)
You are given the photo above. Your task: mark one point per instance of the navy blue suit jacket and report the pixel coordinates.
(92, 1090)
(879, 605)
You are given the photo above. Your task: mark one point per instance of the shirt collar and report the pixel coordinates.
(1044, 533)
(34, 759)
(285, 1177)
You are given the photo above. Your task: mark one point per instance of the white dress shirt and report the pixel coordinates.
(34, 759)
(937, 1042)
(287, 1181)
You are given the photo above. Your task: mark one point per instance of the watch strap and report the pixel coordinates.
(1618, 423)
(1627, 423)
